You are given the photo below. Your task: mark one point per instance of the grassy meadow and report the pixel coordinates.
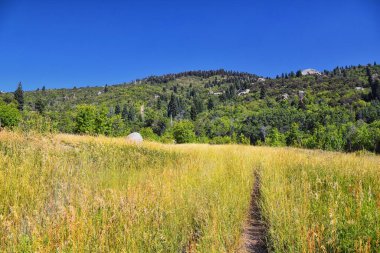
(71, 193)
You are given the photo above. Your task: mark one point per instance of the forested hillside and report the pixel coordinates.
(332, 110)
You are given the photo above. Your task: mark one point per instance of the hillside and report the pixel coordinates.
(333, 110)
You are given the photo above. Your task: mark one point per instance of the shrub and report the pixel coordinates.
(221, 140)
(183, 132)
(148, 134)
(275, 138)
(85, 119)
(9, 116)
(244, 140)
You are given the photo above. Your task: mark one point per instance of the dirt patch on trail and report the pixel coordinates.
(255, 232)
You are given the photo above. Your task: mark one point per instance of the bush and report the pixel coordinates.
(33, 121)
(183, 132)
(85, 119)
(167, 137)
(9, 116)
(275, 138)
(244, 140)
(221, 140)
(148, 134)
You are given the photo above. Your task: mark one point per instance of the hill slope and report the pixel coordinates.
(336, 110)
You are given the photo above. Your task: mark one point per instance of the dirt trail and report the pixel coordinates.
(255, 232)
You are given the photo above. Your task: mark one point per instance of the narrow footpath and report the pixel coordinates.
(255, 232)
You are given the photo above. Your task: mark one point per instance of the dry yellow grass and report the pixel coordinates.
(79, 193)
(321, 201)
(96, 194)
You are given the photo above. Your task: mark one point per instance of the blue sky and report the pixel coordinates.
(78, 43)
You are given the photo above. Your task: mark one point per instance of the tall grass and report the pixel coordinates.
(321, 201)
(95, 194)
(69, 193)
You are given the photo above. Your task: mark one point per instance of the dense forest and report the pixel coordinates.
(331, 110)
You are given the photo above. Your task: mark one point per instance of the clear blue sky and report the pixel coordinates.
(79, 43)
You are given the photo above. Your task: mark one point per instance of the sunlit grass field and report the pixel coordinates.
(95, 194)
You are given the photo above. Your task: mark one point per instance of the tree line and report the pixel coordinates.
(336, 110)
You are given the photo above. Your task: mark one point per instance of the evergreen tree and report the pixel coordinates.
(117, 109)
(375, 89)
(105, 89)
(263, 92)
(193, 112)
(210, 104)
(231, 91)
(299, 73)
(43, 88)
(124, 113)
(19, 96)
(198, 103)
(368, 73)
(132, 114)
(159, 103)
(39, 106)
(173, 107)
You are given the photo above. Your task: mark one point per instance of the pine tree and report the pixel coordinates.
(369, 76)
(198, 103)
(299, 73)
(231, 92)
(124, 113)
(106, 88)
(19, 96)
(159, 103)
(374, 84)
(173, 108)
(117, 109)
(193, 112)
(39, 106)
(132, 114)
(262, 92)
(43, 88)
(375, 89)
(210, 104)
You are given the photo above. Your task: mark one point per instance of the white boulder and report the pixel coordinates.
(310, 72)
(135, 138)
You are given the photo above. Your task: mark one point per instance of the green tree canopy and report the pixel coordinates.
(9, 115)
(183, 131)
